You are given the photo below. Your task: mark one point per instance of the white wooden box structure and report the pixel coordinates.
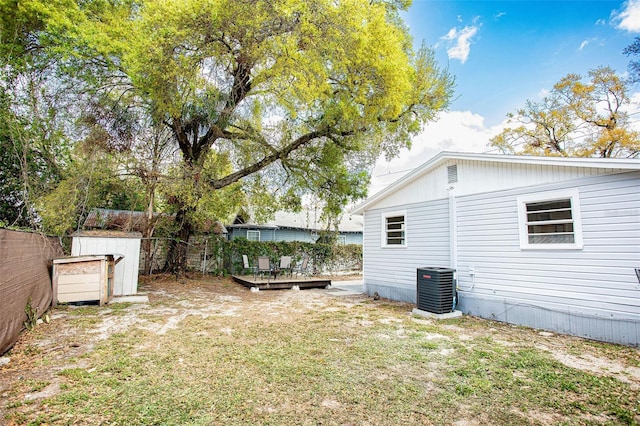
(83, 279)
(127, 244)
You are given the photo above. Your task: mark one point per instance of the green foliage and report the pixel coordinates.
(576, 119)
(36, 115)
(322, 256)
(11, 202)
(32, 315)
(193, 193)
(32, 151)
(91, 181)
(265, 102)
(305, 94)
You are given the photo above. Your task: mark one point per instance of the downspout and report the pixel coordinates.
(453, 228)
(453, 239)
(364, 278)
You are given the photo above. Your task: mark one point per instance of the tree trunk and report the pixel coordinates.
(177, 251)
(149, 226)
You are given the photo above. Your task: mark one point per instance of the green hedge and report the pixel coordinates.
(323, 258)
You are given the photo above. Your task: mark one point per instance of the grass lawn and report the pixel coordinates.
(207, 351)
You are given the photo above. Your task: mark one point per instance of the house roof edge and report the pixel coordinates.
(603, 163)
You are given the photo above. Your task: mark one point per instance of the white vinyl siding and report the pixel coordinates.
(550, 220)
(394, 232)
(474, 177)
(253, 235)
(595, 282)
(591, 292)
(392, 273)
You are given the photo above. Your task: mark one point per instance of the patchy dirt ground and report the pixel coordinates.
(29, 373)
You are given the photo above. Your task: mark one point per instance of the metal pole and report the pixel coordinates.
(204, 263)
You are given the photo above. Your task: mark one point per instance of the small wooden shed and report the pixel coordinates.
(127, 244)
(83, 279)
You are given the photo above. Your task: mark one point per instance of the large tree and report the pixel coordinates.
(283, 97)
(33, 117)
(576, 119)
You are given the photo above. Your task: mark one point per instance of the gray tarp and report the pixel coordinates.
(25, 260)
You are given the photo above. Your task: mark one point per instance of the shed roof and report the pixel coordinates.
(308, 219)
(106, 233)
(128, 220)
(442, 157)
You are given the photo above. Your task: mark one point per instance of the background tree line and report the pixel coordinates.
(197, 109)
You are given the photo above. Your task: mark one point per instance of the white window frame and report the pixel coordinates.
(342, 239)
(255, 233)
(573, 196)
(383, 229)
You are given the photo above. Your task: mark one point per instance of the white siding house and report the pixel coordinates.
(545, 242)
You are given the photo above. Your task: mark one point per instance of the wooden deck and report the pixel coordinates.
(282, 282)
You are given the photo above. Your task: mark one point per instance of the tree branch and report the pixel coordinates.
(269, 159)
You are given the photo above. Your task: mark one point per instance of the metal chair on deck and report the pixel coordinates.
(285, 265)
(246, 266)
(302, 267)
(263, 266)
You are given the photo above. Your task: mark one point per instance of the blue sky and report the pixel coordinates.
(503, 53)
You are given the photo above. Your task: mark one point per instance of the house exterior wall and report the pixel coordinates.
(306, 236)
(391, 271)
(265, 234)
(352, 237)
(295, 235)
(591, 292)
(482, 176)
(126, 271)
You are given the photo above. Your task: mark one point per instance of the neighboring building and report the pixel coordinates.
(546, 242)
(305, 226)
(135, 221)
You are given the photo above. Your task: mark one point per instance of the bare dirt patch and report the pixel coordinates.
(361, 346)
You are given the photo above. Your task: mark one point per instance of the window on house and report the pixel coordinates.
(253, 235)
(394, 232)
(550, 220)
(342, 239)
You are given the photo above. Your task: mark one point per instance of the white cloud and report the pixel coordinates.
(586, 42)
(633, 109)
(460, 42)
(629, 17)
(499, 15)
(460, 131)
(543, 93)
